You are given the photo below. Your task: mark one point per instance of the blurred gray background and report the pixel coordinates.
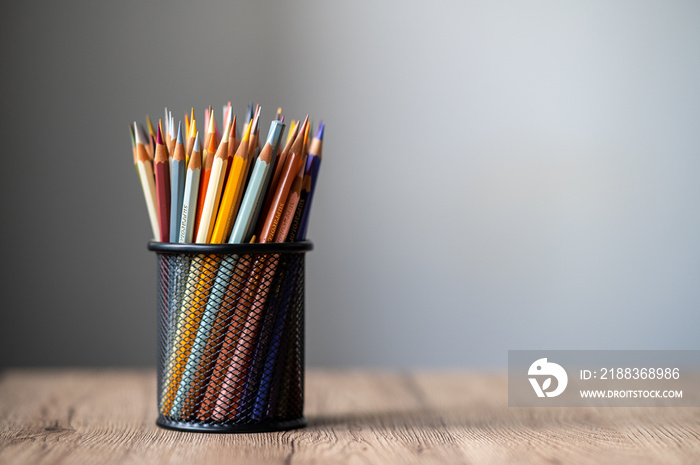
(496, 175)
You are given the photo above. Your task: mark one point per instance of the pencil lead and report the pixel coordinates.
(212, 146)
(159, 140)
(234, 128)
(256, 121)
(137, 134)
(304, 125)
(319, 134)
(197, 144)
(133, 137)
(246, 133)
(150, 126)
(210, 128)
(193, 128)
(249, 113)
(179, 133)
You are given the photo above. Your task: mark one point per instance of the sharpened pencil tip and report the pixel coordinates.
(319, 134)
(197, 144)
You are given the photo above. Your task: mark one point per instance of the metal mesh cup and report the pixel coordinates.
(231, 336)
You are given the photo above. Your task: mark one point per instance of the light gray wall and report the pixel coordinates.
(496, 175)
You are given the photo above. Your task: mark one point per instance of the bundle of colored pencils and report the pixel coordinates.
(195, 186)
(212, 189)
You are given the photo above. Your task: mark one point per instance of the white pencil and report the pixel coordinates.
(144, 166)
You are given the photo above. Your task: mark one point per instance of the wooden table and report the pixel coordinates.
(107, 416)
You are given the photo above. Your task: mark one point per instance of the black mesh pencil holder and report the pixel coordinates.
(231, 336)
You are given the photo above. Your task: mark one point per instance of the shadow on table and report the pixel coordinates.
(467, 416)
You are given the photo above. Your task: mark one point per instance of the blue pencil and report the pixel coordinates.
(177, 185)
(313, 165)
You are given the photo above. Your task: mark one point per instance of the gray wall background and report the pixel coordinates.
(496, 175)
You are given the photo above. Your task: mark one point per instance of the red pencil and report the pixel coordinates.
(162, 173)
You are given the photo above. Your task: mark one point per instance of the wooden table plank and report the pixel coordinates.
(107, 417)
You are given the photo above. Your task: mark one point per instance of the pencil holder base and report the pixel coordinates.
(232, 428)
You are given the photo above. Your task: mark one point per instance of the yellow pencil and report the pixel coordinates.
(233, 191)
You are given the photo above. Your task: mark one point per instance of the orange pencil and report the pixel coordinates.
(280, 161)
(207, 162)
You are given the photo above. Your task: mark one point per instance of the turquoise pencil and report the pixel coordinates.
(242, 230)
(177, 185)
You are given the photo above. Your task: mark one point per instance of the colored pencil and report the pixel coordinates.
(213, 195)
(313, 165)
(207, 162)
(233, 191)
(151, 129)
(177, 186)
(280, 161)
(144, 167)
(162, 175)
(189, 203)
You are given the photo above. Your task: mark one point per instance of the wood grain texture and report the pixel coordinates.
(107, 417)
